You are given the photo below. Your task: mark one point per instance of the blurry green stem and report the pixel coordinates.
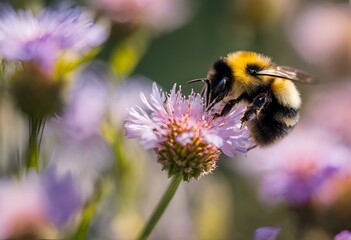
(88, 213)
(35, 128)
(161, 207)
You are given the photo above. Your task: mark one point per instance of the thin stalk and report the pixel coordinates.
(33, 143)
(88, 213)
(161, 207)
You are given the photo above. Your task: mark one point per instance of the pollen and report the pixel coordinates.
(185, 151)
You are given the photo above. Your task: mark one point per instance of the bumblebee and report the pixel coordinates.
(272, 99)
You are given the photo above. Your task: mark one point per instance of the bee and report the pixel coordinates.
(268, 90)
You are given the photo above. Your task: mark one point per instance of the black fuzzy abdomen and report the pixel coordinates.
(273, 123)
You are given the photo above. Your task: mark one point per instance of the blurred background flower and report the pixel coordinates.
(344, 235)
(329, 106)
(127, 95)
(156, 15)
(45, 46)
(45, 36)
(266, 233)
(321, 36)
(38, 206)
(74, 139)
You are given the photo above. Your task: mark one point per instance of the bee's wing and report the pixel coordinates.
(288, 73)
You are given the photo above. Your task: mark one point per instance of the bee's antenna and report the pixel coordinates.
(196, 80)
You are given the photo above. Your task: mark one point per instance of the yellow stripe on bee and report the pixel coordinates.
(288, 121)
(238, 62)
(286, 93)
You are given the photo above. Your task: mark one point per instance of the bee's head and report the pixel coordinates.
(245, 65)
(239, 68)
(219, 82)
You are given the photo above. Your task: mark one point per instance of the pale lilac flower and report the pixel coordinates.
(321, 35)
(332, 102)
(125, 96)
(295, 170)
(87, 106)
(344, 235)
(159, 15)
(266, 233)
(75, 138)
(186, 139)
(36, 204)
(42, 37)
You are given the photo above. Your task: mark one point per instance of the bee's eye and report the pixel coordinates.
(221, 85)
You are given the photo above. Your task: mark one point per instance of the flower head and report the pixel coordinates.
(186, 139)
(44, 36)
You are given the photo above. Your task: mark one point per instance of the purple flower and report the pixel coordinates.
(36, 204)
(332, 102)
(186, 139)
(125, 96)
(298, 168)
(87, 106)
(61, 196)
(320, 33)
(75, 137)
(344, 235)
(297, 186)
(266, 233)
(44, 36)
(165, 15)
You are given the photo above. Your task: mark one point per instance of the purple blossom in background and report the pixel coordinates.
(78, 146)
(44, 36)
(125, 96)
(87, 106)
(158, 15)
(266, 233)
(344, 235)
(185, 138)
(332, 102)
(296, 169)
(297, 187)
(62, 197)
(321, 33)
(36, 203)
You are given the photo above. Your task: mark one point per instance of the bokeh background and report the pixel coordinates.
(301, 184)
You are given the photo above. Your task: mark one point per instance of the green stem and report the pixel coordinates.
(33, 144)
(161, 207)
(88, 213)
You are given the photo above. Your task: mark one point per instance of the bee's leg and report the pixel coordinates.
(254, 109)
(228, 106)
